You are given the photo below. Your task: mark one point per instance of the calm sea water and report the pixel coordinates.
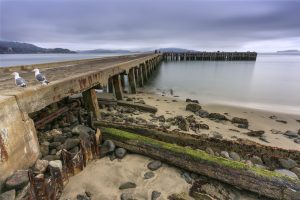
(27, 59)
(271, 83)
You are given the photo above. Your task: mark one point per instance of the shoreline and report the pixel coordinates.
(258, 120)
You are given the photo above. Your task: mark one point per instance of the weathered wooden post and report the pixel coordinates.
(140, 76)
(110, 85)
(91, 102)
(131, 80)
(117, 87)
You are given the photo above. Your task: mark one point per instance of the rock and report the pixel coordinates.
(217, 116)
(112, 156)
(109, 145)
(255, 133)
(44, 148)
(202, 126)
(154, 165)
(264, 138)
(129, 99)
(187, 178)
(287, 173)
(17, 181)
(56, 164)
(291, 134)
(166, 125)
(161, 118)
(244, 126)
(296, 170)
(238, 120)
(176, 196)
(216, 135)
(182, 123)
(149, 175)
(155, 195)
(209, 151)
(54, 145)
(256, 160)
(273, 117)
(249, 163)
(41, 166)
(234, 156)
(53, 152)
(225, 154)
(141, 101)
(51, 157)
(81, 129)
(297, 140)
(190, 100)
(202, 113)
(127, 185)
(287, 163)
(83, 197)
(74, 150)
(9, 195)
(59, 138)
(193, 107)
(120, 153)
(55, 132)
(71, 143)
(281, 121)
(274, 131)
(127, 196)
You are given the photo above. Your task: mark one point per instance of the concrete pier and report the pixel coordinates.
(19, 146)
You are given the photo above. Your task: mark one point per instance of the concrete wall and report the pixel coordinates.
(19, 145)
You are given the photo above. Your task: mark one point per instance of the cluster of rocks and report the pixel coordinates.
(285, 166)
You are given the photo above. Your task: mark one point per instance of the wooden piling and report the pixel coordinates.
(117, 87)
(91, 102)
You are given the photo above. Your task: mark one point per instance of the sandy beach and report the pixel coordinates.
(258, 120)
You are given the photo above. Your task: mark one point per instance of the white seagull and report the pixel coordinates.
(20, 82)
(40, 77)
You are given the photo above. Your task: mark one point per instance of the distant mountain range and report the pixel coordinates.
(19, 48)
(177, 50)
(106, 51)
(289, 51)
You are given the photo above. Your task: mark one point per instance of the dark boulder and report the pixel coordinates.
(255, 133)
(17, 181)
(193, 107)
(217, 116)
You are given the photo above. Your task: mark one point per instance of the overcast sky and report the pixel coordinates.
(260, 25)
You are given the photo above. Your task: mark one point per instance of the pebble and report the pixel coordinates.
(296, 170)
(255, 133)
(193, 107)
(291, 134)
(225, 154)
(209, 151)
(287, 163)
(127, 185)
(18, 180)
(216, 135)
(154, 165)
(149, 175)
(120, 153)
(9, 195)
(256, 160)
(127, 196)
(234, 156)
(71, 143)
(155, 195)
(56, 163)
(286, 173)
(109, 145)
(41, 166)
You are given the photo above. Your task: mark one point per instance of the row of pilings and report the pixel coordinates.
(209, 56)
(137, 77)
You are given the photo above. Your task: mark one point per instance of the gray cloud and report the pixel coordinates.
(205, 25)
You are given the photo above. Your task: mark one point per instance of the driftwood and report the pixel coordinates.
(261, 181)
(245, 148)
(138, 106)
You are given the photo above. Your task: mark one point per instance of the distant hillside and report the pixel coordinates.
(105, 51)
(174, 50)
(18, 48)
(289, 51)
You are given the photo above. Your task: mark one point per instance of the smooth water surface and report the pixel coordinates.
(271, 83)
(7, 60)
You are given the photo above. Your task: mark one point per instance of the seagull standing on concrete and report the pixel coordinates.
(20, 82)
(40, 77)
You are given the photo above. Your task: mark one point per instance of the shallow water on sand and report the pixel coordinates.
(271, 83)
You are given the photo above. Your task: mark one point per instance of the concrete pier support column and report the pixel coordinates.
(140, 76)
(131, 80)
(145, 73)
(122, 79)
(117, 87)
(91, 102)
(110, 85)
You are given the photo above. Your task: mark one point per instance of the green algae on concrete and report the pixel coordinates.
(195, 154)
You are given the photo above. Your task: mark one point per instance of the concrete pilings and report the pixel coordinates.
(210, 56)
(91, 102)
(131, 80)
(117, 87)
